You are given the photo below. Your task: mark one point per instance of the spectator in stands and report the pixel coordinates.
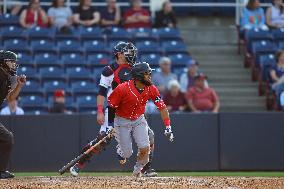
(253, 16)
(277, 71)
(110, 15)
(58, 102)
(33, 15)
(137, 16)
(201, 98)
(60, 16)
(166, 17)
(174, 98)
(187, 78)
(12, 109)
(162, 77)
(86, 14)
(13, 9)
(275, 14)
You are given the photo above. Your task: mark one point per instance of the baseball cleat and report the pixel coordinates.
(6, 175)
(150, 173)
(74, 170)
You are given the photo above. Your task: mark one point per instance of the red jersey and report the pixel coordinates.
(131, 12)
(129, 103)
(34, 18)
(202, 100)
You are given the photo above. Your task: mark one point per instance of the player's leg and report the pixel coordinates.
(6, 144)
(147, 170)
(140, 135)
(123, 137)
(82, 163)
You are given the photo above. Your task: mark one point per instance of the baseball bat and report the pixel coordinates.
(81, 156)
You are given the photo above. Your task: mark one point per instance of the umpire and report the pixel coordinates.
(10, 87)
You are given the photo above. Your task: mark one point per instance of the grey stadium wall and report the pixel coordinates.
(203, 142)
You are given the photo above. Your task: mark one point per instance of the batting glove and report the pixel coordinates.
(169, 133)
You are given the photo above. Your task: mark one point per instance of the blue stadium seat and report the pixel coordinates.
(94, 46)
(32, 87)
(140, 32)
(263, 46)
(152, 58)
(43, 45)
(33, 101)
(51, 85)
(99, 59)
(16, 45)
(148, 47)
(256, 35)
(46, 59)
(278, 92)
(91, 33)
(52, 72)
(87, 101)
(9, 20)
(173, 47)
(75, 73)
(278, 34)
(41, 33)
(180, 59)
(69, 46)
(84, 87)
(13, 32)
(25, 59)
(266, 61)
(28, 70)
(73, 59)
(119, 33)
(167, 33)
(36, 110)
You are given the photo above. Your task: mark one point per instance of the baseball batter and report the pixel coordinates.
(113, 75)
(129, 100)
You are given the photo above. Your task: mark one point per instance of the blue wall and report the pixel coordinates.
(203, 142)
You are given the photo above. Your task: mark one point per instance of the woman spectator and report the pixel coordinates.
(111, 15)
(166, 17)
(174, 98)
(253, 16)
(275, 14)
(86, 14)
(60, 16)
(33, 15)
(277, 71)
(137, 17)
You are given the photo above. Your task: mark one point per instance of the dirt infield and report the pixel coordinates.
(149, 183)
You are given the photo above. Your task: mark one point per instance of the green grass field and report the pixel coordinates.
(163, 174)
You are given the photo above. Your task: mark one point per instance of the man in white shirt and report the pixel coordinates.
(12, 109)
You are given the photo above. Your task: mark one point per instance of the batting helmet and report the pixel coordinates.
(139, 70)
(8, 61)
(128, 49)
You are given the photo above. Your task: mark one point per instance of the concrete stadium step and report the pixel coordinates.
(230, 91)
(241, 108)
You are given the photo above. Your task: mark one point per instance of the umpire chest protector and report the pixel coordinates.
(121, 74)
(5, 85)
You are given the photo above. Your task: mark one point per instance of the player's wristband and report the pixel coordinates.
(100, 108)
(167, 122)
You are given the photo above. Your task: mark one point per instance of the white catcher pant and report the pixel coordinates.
(125, 129)
(104, 126)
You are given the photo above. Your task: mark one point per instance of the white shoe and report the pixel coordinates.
(74, 170)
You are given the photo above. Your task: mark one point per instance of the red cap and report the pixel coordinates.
(59, 93)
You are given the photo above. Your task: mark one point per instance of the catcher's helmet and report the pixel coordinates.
(139, 70)
(8, 61)
(128, 49)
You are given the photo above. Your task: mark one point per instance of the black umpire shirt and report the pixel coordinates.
(5, 85)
